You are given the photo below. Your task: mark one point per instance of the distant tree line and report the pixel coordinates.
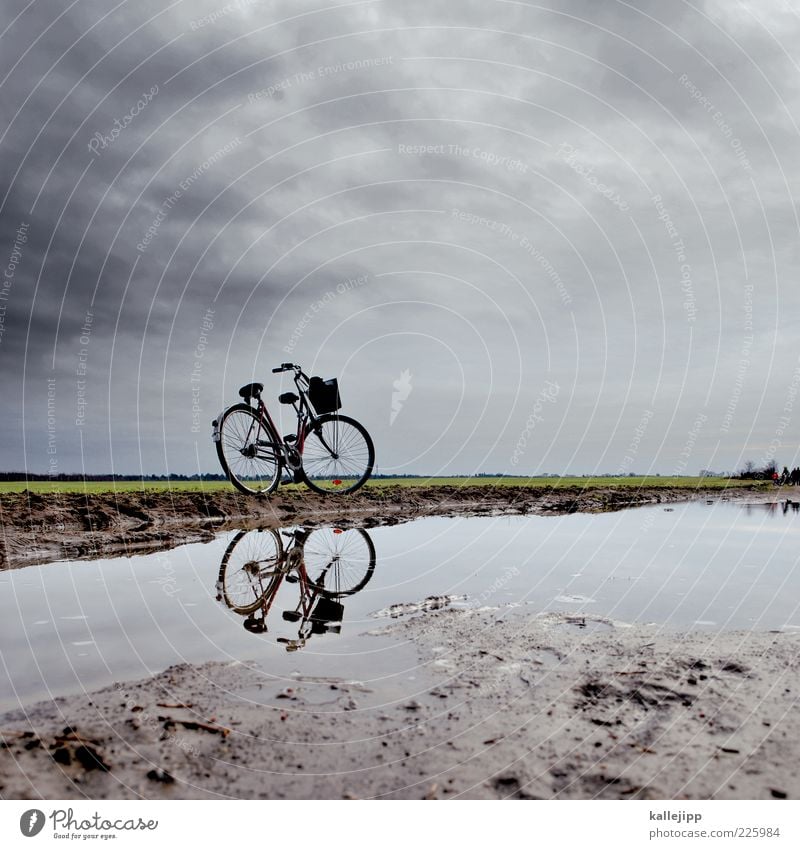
(752, 472)
(208, 476)
(748, 472)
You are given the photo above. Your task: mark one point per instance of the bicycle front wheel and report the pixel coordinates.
(338, 455)
(339, 561)
(248, 450)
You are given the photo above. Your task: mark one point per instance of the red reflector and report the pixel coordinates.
(337, 482)
(338, 531)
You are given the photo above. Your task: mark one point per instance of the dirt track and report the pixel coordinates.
(501, 706)
(518, 707)
(42, 527)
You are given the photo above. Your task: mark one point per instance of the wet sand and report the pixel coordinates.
(37, 528)
(508, 705)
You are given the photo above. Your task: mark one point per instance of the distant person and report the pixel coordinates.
(796, 476)
(785, 476)
(775, 477)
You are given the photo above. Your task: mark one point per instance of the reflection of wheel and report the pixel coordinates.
(249, 451)
(338, 455)
(249, 569)
(339, 562)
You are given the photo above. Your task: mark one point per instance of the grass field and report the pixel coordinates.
(216, 486)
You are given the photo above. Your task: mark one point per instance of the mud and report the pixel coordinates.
(38, 528)
(508, 705)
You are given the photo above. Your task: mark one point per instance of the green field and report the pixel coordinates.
(216, 486)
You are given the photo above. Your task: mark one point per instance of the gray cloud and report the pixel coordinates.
(488, 170)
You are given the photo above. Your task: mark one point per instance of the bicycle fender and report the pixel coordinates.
(215, 436)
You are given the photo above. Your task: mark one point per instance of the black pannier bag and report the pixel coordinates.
(324, 395)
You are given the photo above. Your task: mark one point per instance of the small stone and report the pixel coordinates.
(90, 758)
(160, 775)
(62, 756)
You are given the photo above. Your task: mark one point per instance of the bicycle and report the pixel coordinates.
(327, 563)
(330, 453)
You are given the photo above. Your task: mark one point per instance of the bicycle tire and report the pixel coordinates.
(237, 562)
(355, 459)
(350, 564)
(244, 472)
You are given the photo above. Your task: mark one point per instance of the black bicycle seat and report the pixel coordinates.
(252, 390)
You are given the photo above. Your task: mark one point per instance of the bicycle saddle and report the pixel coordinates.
(255, 626)
(252, 390)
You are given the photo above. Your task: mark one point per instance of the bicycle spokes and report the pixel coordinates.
(248, 451)
(339, 562)
(250, 567)
(337, 454)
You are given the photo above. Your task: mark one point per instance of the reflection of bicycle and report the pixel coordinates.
(329, 452)
(327, 564)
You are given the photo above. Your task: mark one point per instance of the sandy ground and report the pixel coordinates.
(509, 705)
(37, 528)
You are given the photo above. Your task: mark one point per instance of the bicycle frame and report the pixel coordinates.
(309, 592)
(306, 419)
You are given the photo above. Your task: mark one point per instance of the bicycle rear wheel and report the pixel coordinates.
(249, 451)
(338, 455)
(339, 561)
(250, 567)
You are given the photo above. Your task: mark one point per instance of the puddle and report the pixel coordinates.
(72, 626)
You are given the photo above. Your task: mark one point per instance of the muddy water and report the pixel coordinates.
(67, 627)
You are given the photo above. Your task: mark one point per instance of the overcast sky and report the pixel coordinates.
(551, 237)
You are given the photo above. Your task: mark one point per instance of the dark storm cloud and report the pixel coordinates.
(487, 171)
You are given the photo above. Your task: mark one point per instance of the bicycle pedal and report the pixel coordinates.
(290, 438)
(292, 579)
